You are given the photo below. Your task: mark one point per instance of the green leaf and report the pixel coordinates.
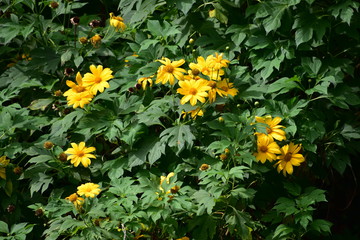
(40, 182)
(40, 159)
(179, 137)
(286, 206)
(4, 227)
(321, 225)
(8, 32)
(202, 227)
(283, 85)
(282, 232)
(40, 104)
(205, 200)
(292, 188)
(349, 132)
(156, 152)
(238, 172)
(243, 193)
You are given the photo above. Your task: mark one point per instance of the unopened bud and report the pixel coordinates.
(63, 157)
(58, 93)
(256, 103)
(223, 156)
(191, 41)
(39, 212)
(48, 145)
(174, 189)
(68, 71)
(195, 71)
(221, 119)
(83, 40)
(204, 167)
(18, 170)
(54, 5)
(94, 23)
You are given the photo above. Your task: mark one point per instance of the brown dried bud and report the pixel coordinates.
(48, 145)
(75, 21)
(63, 157)
(67, 111)
(54, 5)
(138, 86)
(39, 212)
(18, 170)
(204, 167)
(131, 89)
(94, 23)
(11, 208)
(68, 71)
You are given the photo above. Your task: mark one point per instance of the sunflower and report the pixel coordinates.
(169, 71)
(193, 91)
(75, 87)
(289, 157)
(76, 200)
(273, 129)
(3, 163)
(227, 87)
(202, 66)
(80, 154)
(266, 149)
(97, 79)
(80, 99)
(117, 22)
(218, 62)
(89, 190)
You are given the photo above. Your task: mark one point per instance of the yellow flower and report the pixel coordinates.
(214, 90)
(75, 88)
(193, 91)
(89, 190)
(117, 22)
(97, 79)
(273, 129)
(266, 149)
(202, 66)
(169, 71)
(145, 81)
(3, 163)
(76, 200)
(183, 238)
(80, 154)
(227, 87)
(289, 157)
(218, 62)
(96, 40)
(80, 99)
(194, 113)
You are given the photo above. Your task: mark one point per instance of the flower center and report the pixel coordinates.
(192, 91)
(268, 130)
(195, 72)
(80, 154)
(263, 149)
(169, 68)
(79, 89)
(212, 84)
(287, 157)
(97, 80)
(225, 88)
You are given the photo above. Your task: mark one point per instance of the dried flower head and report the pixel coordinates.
(75, 20)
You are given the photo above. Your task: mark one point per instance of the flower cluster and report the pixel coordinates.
(268, 149)
(85, 88)
(203, 82)
(88, 190)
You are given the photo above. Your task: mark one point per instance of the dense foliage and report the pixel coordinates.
(179, 119)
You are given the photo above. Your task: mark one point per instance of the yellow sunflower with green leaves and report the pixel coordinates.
(88, 190)
(193, 91)
(169, 71)
(289, 157)
(273, 128)
(266, 149)
(98, 79)
(80, 154)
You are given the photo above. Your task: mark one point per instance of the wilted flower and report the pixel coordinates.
(204, 167)
(94, 23)
(75, 21)
(96, 40)
(54, 5)
(117, 22)
(48, 145)
(83, 40)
